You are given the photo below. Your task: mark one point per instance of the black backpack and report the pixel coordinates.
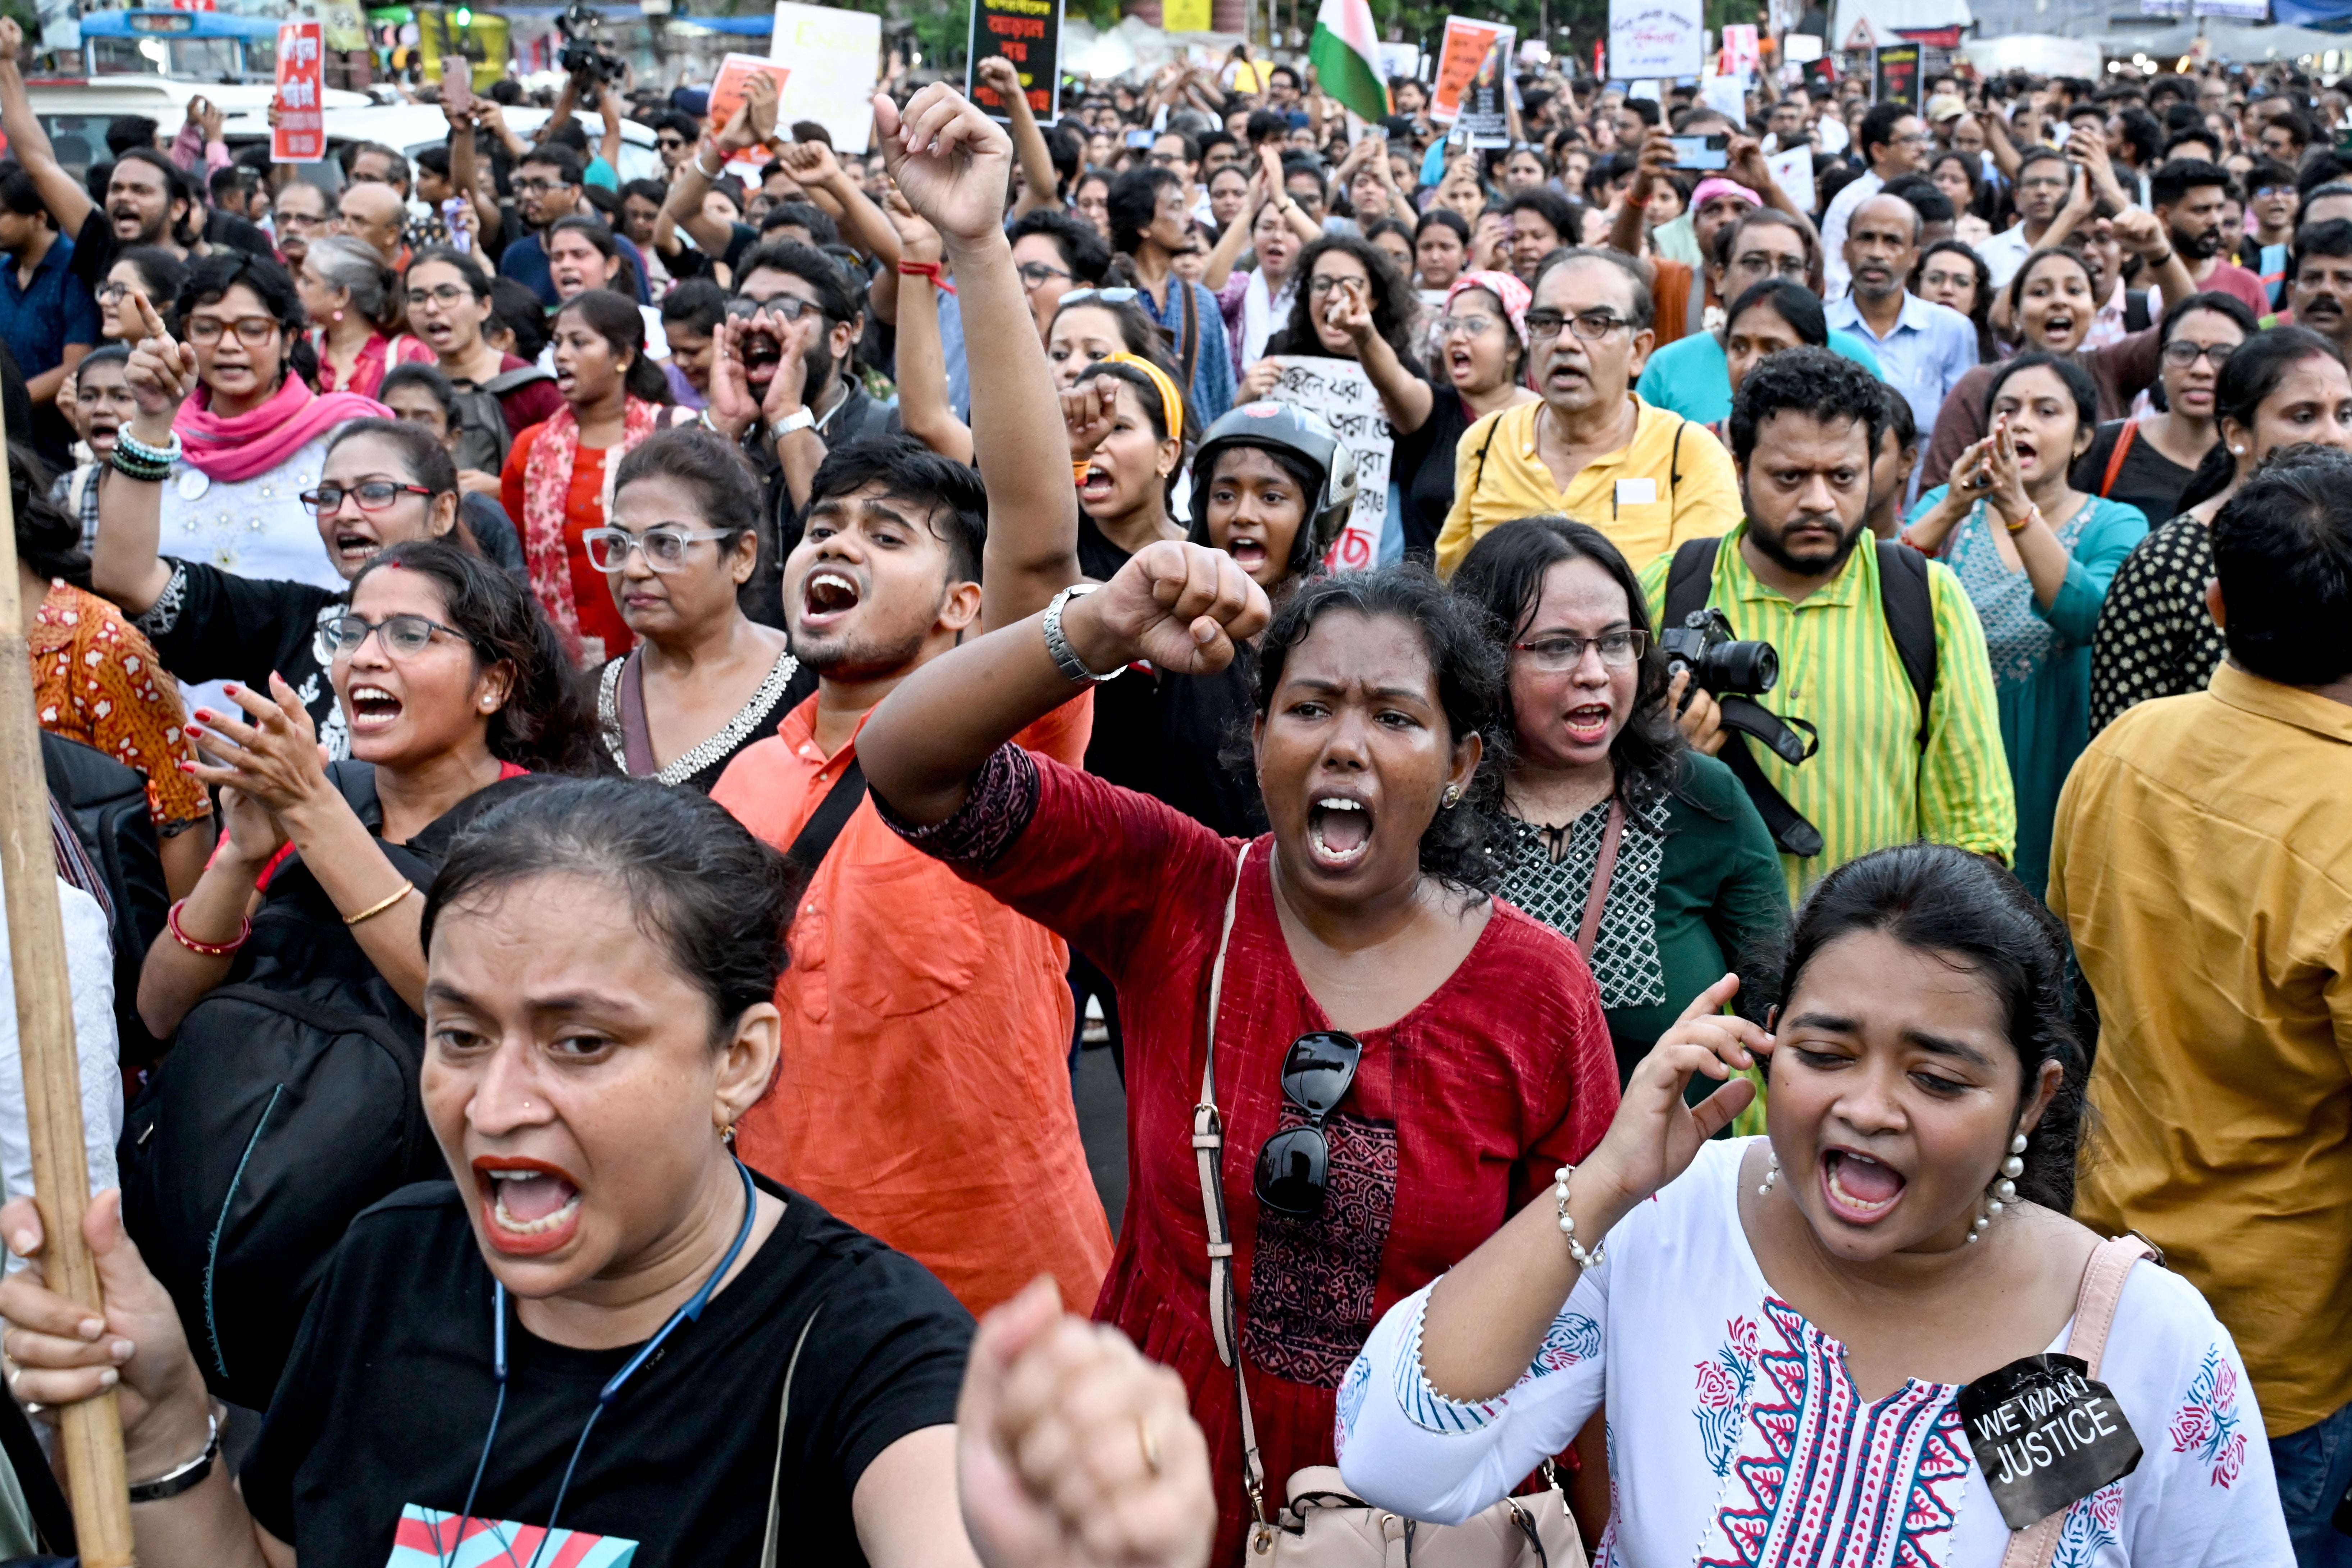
(106, 803)
(1906, 602)
(480, 420)
(288, 1104)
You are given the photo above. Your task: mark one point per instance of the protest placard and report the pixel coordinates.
(1655, 37)
(1338, 393)
(1473, 76)
(300, 135)
(1029, 34)
(1896, 69)
(836, 58)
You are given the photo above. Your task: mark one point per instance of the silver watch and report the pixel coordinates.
(1065, 658)
(799, 419)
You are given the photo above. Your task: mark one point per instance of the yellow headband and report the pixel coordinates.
(1171, 404)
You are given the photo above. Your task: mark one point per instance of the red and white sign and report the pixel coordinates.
(300, 134)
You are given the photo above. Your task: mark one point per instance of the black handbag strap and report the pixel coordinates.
(825, 822)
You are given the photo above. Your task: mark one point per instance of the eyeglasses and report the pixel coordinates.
(447, 294)
(791, 307)
(1098, 297)
(1036, 274)
(403, 637)
(1591, 325)
(301, 220)
(109, 292)
(1474, 325)
(1763, 264)
(2181, 355)
(1554, 655)
(1294, 1167)
(664, 544)
(375, 495)
(669, 144)
(253, 331)
(1323, 285)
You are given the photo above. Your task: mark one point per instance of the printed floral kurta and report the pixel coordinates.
(95, 680)
(1737, 1440)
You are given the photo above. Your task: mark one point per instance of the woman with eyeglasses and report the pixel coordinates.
(592, 1336)
(554, 483)
(1649, 854)
(452, 687)
(450, 307)
(345, 291)
(381, 481)
(1951, 273)
(1397, 1058)
(2148, 462)
(2036, 555)
(152, 271)
(704, 680)
(1480, 358)
(242, 435)
(2286, 388)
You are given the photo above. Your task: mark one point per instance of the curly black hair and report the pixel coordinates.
(1470, 845)
(211, 276)
(1393, 304)
(1820, 383)
(1976, 916)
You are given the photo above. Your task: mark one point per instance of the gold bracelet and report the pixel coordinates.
(372, 911)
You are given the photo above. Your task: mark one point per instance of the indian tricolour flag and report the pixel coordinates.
(1346, 53)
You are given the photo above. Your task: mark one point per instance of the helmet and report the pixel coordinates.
(1306, 438)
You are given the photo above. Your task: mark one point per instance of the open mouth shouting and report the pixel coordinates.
(761, 353)
(1587, 723)
(1858, 1189)
(528, 1207)
(2029, 453)
(352, 546)
(2058, 324)
(1459, 364)
(828, 596)
(372, 707)
(1098, 486)
(1339, 830)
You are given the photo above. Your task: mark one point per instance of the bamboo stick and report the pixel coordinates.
(90, 1432)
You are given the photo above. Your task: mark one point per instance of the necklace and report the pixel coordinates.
(604, 1397)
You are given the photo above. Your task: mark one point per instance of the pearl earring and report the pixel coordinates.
(2237, 451)
(2003, 1192)
(1452, 797)
(1771, 1173)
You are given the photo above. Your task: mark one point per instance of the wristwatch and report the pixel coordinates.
(798, 419)
(1065, 658)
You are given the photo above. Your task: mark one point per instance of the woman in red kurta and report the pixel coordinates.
(1485, 1059)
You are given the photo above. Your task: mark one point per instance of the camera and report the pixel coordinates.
(1716, 660)
(584, 52)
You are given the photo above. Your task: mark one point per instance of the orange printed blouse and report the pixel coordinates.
(95, 680)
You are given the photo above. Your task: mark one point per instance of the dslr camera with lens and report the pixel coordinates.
(1716, 660)
(585, 53)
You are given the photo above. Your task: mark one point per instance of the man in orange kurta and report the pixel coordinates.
(924, 1094)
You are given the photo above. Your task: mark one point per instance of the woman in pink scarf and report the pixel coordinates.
(253, 435)
(558, 479)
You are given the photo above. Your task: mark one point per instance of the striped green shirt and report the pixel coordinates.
(1870, 785)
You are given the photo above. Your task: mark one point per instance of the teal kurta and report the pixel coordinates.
(2041, 657)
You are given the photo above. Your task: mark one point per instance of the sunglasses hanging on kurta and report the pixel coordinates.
(1293, 1168)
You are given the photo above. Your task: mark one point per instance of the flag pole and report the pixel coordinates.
(90, 1432)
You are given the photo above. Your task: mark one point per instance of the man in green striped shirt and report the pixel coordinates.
(1803, 432)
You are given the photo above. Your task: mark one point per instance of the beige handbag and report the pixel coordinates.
(1325, 1526)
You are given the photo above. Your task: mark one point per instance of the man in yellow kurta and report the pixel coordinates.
(1591, 449)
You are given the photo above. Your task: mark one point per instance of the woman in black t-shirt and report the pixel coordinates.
(1481, 351)
(609, 1338)
(2148, 462)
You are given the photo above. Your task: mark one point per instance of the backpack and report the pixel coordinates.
(288, 1104)
(1904, 599)
(480, 420)
(106, 803)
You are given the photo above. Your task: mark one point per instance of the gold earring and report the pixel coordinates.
(1452, 796)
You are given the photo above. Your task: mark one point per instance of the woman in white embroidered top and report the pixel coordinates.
(705, 680)
(1786, 1328)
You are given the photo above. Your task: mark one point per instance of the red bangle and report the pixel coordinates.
(929, 269)
(205, 949)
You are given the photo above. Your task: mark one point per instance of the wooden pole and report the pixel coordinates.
(92, 1431)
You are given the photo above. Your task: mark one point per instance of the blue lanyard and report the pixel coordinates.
(605, 1396)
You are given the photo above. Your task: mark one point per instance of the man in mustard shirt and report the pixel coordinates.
(2202, 859)
(1592, 450)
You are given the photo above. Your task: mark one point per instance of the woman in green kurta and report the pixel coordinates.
(2036, 556)
(1695, 883)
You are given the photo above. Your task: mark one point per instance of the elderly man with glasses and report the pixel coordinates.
(1591, 449)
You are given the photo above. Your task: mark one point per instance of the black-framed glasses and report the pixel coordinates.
(373, 496)
(403, 637)
(1037, 274)
(1294, 1167)
(2181, 354)
(444, 294)
(1322, 283)
(1591, 325)
(791, 307)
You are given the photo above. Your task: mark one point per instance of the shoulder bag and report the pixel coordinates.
(1324, 1525)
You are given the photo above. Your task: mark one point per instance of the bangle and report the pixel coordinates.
(187, 1476)
(369, 913)
(141, 451)
(205, 949)
(2032, 515)
(929, 269)
(710, 173)
(1584, 1259)
(2157, 262)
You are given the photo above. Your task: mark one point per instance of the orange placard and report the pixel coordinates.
(300, 135)
(734, 72)
(1466, 48)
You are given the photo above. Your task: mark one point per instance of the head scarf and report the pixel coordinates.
(1717, 186)
(1504, 287)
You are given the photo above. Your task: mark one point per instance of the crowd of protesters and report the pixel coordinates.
(613, 740)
